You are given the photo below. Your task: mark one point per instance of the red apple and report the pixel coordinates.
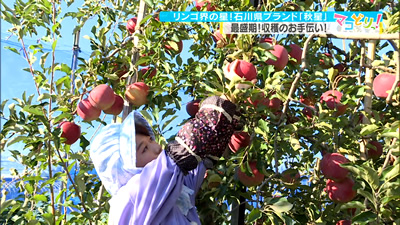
(340, 67)
(117, 107)
(171, 50)
(307, 100)
(374, 150)
(343, 222)
(200, 4)
(143, 71)
(282, 57)
(220, 40)
(267, 40)
(340, 192)
(330, 166)
(243, 69)
(87, 111)
(274, 104)
(327, 61)
(257, 99)
(70, 131)
(296, 53)
(131, 24)
(383, 84)
(290, 176)
(119, 70)
(250, 181)
(340, 109)
(332, 98)
(308, 112)
(136, 93)
(239, 140)
(193, 107)
(102, 97)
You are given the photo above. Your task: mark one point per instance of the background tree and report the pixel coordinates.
(294, 113)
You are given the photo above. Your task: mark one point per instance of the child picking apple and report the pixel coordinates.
(154, 186)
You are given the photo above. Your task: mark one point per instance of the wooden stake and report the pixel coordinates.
(369, 77)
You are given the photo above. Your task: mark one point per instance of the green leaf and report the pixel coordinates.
(390, 135)
(29, 188)
(16, 139)
(147, 116)
(149, 3)
(295, 143)
(42, 198)
(366, 194)
(179, 60)
(143, 60)
(364, 217)
(369, 129)
(282, 205)
(263, 125)
(80, 183)
(370, 176)
(6, 204)
(12, 49)
(33, 110)
(254, 215)
(394, 172)
(353, 204)
(332, 74)
(43, 96)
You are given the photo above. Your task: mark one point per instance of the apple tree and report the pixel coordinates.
(320, 138)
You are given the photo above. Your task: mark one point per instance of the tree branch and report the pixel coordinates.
(297, 78)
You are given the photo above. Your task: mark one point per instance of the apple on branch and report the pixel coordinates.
(117, 107)
(200, 4)
(136, 93)
(239, 139)
(249, 181)
(87, 111)
(295, 52)
(102, 97)
(340, 191)
(193, 107)
(143, 71)
(332, 99)
(70, 131)
(374, 150)
(330, 166)
(172, 48)
(382, 84)
(239, 69)
(131, 24)
(282, 58)
(222, 40)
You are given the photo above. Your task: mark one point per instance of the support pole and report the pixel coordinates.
(369, 77)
